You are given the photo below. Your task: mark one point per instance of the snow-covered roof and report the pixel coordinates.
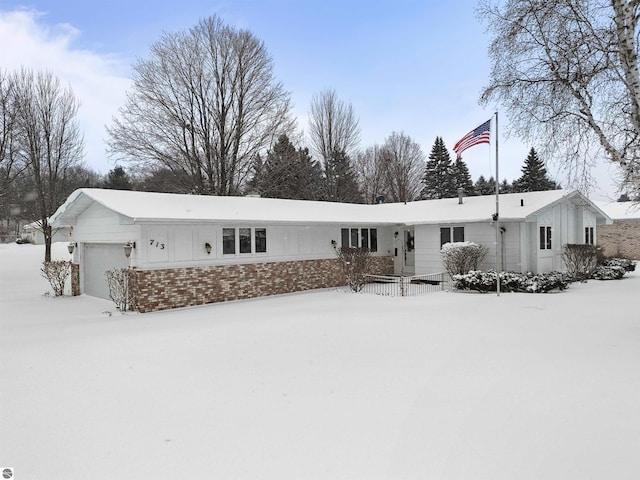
(621, 210)
(166, 207)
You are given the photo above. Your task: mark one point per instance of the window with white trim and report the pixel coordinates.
(545, 237)
(360, 237)
(244, 240)
(451, 234)
(588, 235)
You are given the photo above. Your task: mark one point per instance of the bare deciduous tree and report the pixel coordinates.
(369, 168)
(333, 126)
(49, 140)
(203, 105)
(567, 73)
(404, 165)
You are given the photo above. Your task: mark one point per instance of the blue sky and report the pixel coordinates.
(408, 66)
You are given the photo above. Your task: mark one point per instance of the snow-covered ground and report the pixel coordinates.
(320, 385)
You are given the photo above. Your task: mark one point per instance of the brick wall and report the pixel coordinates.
(622, 239)
(75, 279)
(181, 287)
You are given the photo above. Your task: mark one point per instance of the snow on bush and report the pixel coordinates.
(57, 273)
(628, 265)
(356, 264)
(613, 268)
(459, 258)
(511, 281)
(122, 288)
(608, 272)
(581, 260)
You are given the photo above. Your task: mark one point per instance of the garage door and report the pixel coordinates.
(98, 258)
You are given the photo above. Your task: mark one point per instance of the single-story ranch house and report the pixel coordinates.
(191, 250)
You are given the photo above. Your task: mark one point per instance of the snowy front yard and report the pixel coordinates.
(320, 385)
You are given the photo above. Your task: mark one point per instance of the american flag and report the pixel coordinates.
(482, 134)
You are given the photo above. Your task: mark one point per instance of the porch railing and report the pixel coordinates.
(401, 286)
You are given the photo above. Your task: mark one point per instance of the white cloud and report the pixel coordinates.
(98, 81)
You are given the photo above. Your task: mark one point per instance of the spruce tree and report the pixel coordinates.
(462, 177)
(287, 173)
(484, 186)
(278, 176)
(118, 179)
(438, 175)
(340, 180)
(308, 176)
(534, 176)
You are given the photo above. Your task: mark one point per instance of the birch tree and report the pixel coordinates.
(203, 105)
(567, 74)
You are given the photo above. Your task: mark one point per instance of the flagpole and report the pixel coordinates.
(498, 236)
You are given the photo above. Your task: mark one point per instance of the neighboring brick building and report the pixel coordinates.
(622, 238)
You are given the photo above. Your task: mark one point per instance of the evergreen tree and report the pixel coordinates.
(506, 187)
(287, 173)
(534, 176)
(438, 176)
(340, 181)
(118, 179)
(484, 186)
(308, 178)
(462, 177)
(278, 173)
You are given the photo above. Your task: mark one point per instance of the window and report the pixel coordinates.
(245, 240)
(345, 238)
(228, 241)
(588, 235)
(451, 234)
(360, 237)
(364, 237)
(354, 237)
(250, 240)
(261, 240)
(545, 238)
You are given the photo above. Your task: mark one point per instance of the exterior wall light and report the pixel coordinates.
(70, 247)
(128, 247)
(207, 247)
(334, 243)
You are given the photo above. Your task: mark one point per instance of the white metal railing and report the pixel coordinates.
(401, 286)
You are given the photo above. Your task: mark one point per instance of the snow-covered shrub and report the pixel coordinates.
(628, 265)
(355, 264)
(581, 260)
(122, 288)
(57, 273)
(608, 272)
(511, 282)
(461, 257)
(545, 282)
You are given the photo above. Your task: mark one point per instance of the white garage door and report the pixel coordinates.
(98, 258)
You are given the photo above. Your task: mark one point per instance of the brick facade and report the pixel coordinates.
(75, 279)
(182, 287)
(621, 239)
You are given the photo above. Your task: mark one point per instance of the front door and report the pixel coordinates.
(409, 252)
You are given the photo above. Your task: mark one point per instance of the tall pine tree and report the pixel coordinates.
(484, 186)
(438, 175)
(287, 173)
(340, 180)
(462, 177)
(534, 176)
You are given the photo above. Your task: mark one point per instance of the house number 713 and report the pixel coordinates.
(155, 243)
